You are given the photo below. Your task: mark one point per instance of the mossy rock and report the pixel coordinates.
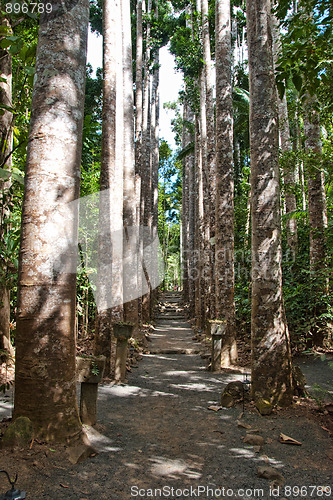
(18, 434)
(232, 394)
(264, 406)
(227, 401)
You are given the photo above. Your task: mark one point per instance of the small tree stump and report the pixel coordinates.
(122, 332)
(89, 372)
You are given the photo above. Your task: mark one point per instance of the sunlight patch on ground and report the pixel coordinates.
(225, 417)
(158, 356)
(249, 453)
(165, 467)
(194, 387)
(125, 391)
(101, 443)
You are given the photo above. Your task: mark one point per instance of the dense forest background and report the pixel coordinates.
(303, 67)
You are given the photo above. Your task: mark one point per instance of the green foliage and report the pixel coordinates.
(307, 55)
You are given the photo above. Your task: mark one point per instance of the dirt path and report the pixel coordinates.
(156, 433)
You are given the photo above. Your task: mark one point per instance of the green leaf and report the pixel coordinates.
(5, 43)
(7, 108)
(281, 89)
(4, 174)
(297, 81)
(29, 70)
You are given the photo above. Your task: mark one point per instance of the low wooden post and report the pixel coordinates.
(217, 331)
(122, 332)
(89, 371)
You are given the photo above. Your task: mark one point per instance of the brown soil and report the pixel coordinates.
(157, 432)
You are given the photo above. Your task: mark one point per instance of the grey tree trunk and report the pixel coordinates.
(138, 136)
(111, 184)
(271, 357)
(45, 382)
(316, 186)
(210, 158)
(146, 186)
(6, 122)
(316, 206)
(190, 160)
(289, 163)
(224, 219)
(155, 162)
(205, 249)
(185, 213)
(197, 258)
(130, 278)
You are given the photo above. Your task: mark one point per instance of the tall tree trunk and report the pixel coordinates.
(185, 212)
(131, 235)
(138, 138)
(110, 279)
(289, 164)
(198, 258)
(204, 251)
(190, 160)
(154, 171)
(45, 382)
(146, 166)
(6, 119)
(224, 219)
(209, 166)
(316, 186)
(271, 357)
(316, 204)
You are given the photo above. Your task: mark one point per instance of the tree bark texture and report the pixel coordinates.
(6, 121)
(185, 213)
(155, 161)
(138, 137)
(289, 164)
(146, 185)
(110, 279)
(271, 358)
(209, 156)
(316, 185)
(205, 249)
(317, 210)
(131, 240)
(45, 384)
(224, 218)
(197, 261)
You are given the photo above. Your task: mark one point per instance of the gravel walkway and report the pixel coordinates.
(157, 439)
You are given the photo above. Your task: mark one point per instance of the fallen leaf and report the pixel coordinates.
(214, 408)
(325, 428)
(288, 440)
(243, 425)
(64, 485)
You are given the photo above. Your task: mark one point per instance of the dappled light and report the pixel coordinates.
(101, 443)
(173, 469)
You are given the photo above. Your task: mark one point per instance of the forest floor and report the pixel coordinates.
(157, 438)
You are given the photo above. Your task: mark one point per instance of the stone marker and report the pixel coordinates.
(122, 332)
(89, 372)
